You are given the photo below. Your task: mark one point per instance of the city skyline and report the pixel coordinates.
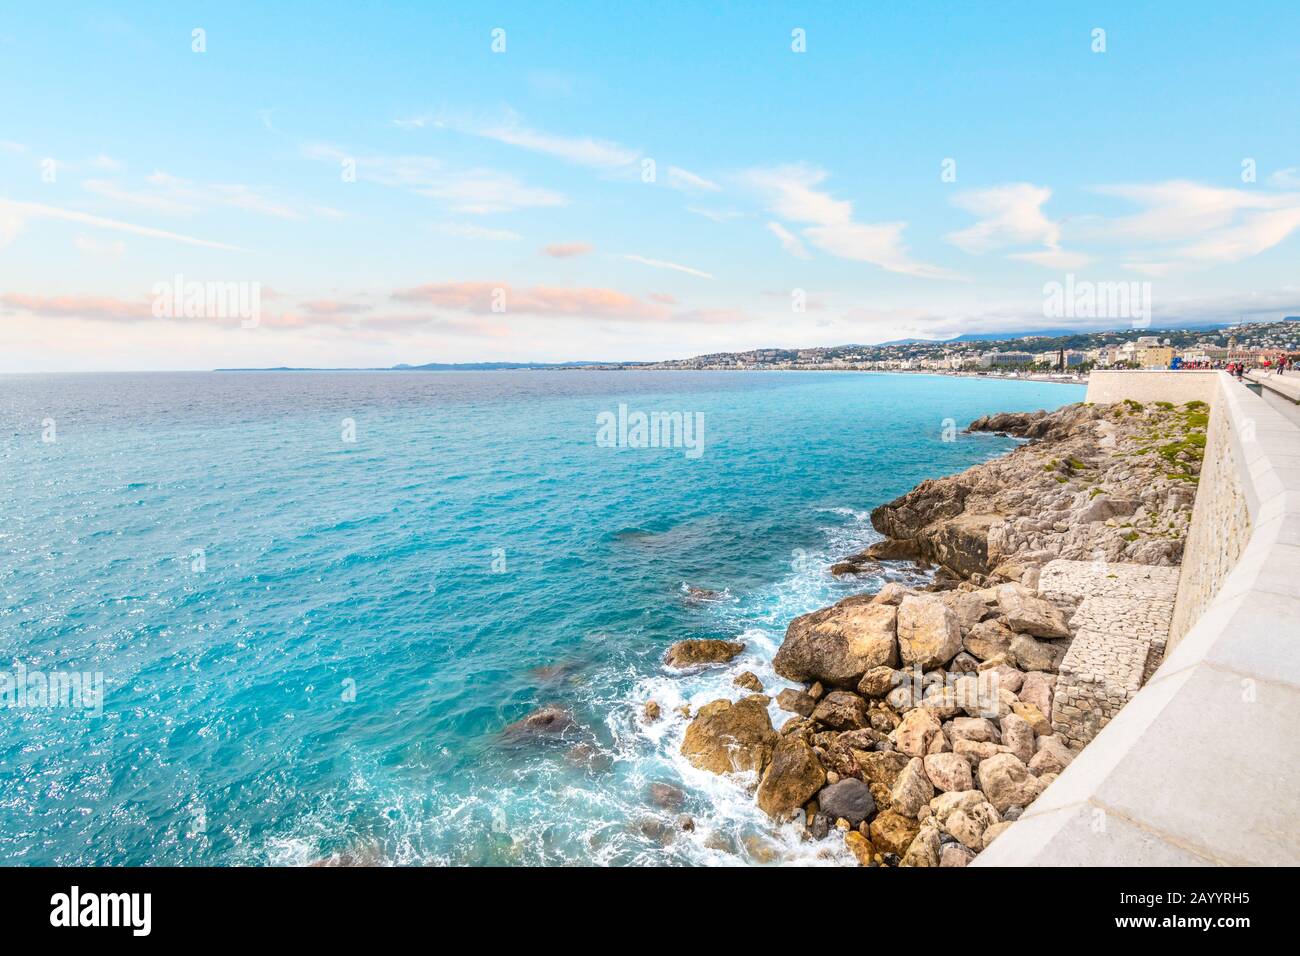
(543, 185)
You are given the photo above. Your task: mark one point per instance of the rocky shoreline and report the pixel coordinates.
(922, 722)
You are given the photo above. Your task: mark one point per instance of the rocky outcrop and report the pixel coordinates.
(726, 737)
(791, 779)
(693, 653)
(1110, 481)
(838, 644)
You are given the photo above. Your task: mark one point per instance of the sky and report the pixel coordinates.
(364, 185)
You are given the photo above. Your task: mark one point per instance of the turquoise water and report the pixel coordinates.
(310, 646)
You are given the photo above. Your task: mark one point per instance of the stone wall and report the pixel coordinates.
(1220, 524)
(1200, 768)
(1177, 387)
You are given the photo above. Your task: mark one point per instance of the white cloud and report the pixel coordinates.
(1009, 215)
(13, 214)
(1191, 223)
(790, 193)
(661, 264)
(789, 241)
(470, 191)
(582, 150)
(684, 179)
(100, 248)
(715, 215)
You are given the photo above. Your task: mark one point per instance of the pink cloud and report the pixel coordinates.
(488, 298)
(566, 250)
(79, 307)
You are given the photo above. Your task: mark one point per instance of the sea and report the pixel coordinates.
(302, 608)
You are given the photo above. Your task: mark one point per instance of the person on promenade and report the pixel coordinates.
(1241, 370)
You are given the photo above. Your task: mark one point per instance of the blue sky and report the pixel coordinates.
(500, 208)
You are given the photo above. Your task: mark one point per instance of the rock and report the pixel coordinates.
(546, 723)
(1017, 737)
(726, 737)
(749, 681)
(695, 652)
(946, 804)
(697, 595)
(1026, 614)
(848, 800)
(1006, 782)
(988, 639)
(995, 831)
(915, 732)
(912, 790)
(891, 832)
(948, 771)
(686, 823)
(880, 767)
(792, 777)
(803, 726)
(667, 796)
(928, 633)
(903, 697)
(842, 710)
(1032, 655)
(1033, 717)
(839, 756)
(816, 691)
(651, 711)
(976, 751)
(942, 701)
(966, 605)
(838, 644)
(796, 702)
(860, 847)
(974, 728)
(1053, 756)
(954, 854)
(891, 593)
(964, 663)
(924, 849)
(1039, 689)
(878, 682)
(938, 744)
(1005, 676)
(968, 824)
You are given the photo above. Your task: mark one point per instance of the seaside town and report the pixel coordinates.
(1069, 355)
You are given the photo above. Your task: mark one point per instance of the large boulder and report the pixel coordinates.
(1032, 655)
(1018, 736)
(847, 800)
(726, 737)
(968, 606)
(1039, 689)
(1026, 614)
(948, 771)
(929, 635)
(891, 832)
(968, 824)
(796, 702)
(912, 790)
(924, 850)
(842, 710)
(880, 766)
(1053, 756)
(838, 644)
(878, 682)
(1007, 782)
(988, 639)
(693, 653)
(916, 731)
(792, 777)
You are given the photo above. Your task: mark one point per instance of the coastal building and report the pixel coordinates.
(1159, 356)
(1005, 359)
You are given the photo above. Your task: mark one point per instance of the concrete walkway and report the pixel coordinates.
(1282, 392)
